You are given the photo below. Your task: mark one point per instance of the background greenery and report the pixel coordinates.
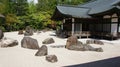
(19, 13)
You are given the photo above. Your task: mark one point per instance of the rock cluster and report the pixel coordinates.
(73, 44)
(43, 51)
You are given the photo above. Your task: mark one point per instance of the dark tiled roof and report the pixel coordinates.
(74, 11)
(87, 9)
(99, 6)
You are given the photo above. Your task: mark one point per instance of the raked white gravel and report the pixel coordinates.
(21, 57)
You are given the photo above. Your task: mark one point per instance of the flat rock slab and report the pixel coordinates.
(84, 47)
(8, 42)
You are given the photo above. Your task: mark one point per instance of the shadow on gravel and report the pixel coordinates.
(111, 62)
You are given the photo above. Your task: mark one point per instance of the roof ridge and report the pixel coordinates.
(87, 2)
(66, 5)
(74, 6)
(116, 2)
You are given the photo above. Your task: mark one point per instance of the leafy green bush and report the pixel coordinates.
(2, 28)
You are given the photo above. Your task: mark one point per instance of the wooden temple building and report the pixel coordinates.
(97, 18)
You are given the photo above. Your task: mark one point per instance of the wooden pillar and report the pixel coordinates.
(80, 30)
(62, 24)
(118, 31)
(73, 21)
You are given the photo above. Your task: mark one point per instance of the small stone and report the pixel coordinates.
(51, 58)
(42, 51)
(28, 31)
(48, 41)
(20, 32)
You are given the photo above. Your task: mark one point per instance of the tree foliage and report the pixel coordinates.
(4, 6)
(32, 7)
(18, 7)
(45, 5)
(19, 13)
(11, 18)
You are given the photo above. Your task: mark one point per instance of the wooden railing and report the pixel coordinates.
(88, 34)
(107, 34)
(82, 34)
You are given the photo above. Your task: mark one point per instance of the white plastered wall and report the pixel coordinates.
(114, 29)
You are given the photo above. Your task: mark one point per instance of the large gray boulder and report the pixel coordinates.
(48, 41)
(51, 58)
(76, 47)
(42, 51)
(30, 43)
(1, 34)
(7, 42)
(72, 41)
(28, 31)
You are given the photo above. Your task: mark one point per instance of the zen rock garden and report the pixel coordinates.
(28, 42)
